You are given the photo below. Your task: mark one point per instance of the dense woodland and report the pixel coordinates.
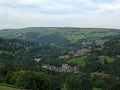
(18, 66)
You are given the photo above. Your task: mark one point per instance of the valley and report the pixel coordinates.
(51, 58)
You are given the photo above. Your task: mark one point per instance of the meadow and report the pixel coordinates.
(79, 61)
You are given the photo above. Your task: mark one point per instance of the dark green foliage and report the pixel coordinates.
(29, 80)
(102, 81)
(111, 48)
(113, 86)
(50, 39)
(93, 64)
(77, 82)
(17, 55)
(18, 66)
(1, 40)
(56, 83)
(114, 68)
(34, 81)
(2, 79)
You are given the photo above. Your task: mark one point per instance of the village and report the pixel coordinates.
(65, 68)
(71, 54)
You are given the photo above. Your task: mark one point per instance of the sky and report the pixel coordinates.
(60, 13)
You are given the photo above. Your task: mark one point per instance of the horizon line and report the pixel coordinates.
(59, 27)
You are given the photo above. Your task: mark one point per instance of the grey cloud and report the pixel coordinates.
(73, 13)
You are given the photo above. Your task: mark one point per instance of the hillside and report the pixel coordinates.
(51, 58)
(53, 34)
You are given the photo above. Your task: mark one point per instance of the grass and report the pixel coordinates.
(64, 87)
(4, 86)
(109, 59)
(100, 74)
(97, 89)
(7, 88)
(1, 52)
(80, 61)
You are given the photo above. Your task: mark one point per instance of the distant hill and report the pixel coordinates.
(52, 35)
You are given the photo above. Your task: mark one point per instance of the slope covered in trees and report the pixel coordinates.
(55, 34)
(27, 58)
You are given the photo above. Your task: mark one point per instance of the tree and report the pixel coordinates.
(77, 82)
(13, 77)
(114, 86)
(56, 83)
(34, 81)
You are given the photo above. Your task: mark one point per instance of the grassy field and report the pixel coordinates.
(10, 88)
(1, 52)
(7, 88)
(109, 59)
(64, 87)
(80, 61)
(100, 74)
(97, 89)
(4, 86)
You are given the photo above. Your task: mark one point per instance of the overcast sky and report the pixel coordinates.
(60, 13)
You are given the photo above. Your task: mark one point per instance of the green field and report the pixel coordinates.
(97, 89)
(64, 87)
(80, 61)
(1, 52)
(109, 59)
(10, 88)
(7, 88)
